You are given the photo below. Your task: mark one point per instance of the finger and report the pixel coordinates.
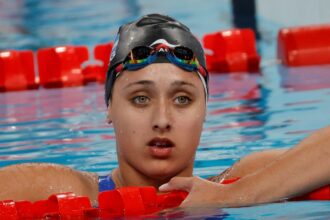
(177, 183)
(202, 193)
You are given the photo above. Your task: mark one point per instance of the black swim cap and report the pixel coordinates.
(145, 31)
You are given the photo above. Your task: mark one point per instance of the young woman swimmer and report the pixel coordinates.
(156, 92)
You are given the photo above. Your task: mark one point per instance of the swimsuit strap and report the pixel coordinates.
(106, 183)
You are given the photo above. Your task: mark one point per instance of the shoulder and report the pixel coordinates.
(50, 171)
(35, 181)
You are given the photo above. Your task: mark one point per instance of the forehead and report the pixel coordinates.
(161, 73)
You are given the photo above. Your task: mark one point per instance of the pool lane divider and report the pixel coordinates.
(226, 51)
(125, 201)
(60, 66)
(304, 46)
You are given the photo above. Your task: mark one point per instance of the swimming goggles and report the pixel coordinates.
(142, 56)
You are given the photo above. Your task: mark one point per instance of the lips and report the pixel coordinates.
(160, 147)
(161, 142)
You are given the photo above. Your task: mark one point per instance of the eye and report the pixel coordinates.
(140, 100)
(182, 100)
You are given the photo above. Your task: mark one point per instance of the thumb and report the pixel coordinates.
(177, 183)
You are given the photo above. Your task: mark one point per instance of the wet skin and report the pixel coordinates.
(157, 113)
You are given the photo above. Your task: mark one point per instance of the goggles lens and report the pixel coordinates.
(183, 53)
(139, 53)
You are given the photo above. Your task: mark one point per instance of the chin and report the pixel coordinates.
(165, 173)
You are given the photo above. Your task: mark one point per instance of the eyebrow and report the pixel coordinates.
(177, 83)
(182, 83)
(141, 82)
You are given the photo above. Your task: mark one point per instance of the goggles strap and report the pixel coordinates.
(204, 85)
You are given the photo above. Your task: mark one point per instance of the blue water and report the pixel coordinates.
(247, 112)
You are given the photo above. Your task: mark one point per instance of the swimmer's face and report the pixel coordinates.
(157, 113)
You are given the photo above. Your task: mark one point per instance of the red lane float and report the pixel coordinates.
(300, 46)
(93, 73)
(58, 67)
(61, 66)
(322, 193)
(102, 52)
(231, 51)
(17, 70)
(97, 72)
(130, 201)
(126, 201)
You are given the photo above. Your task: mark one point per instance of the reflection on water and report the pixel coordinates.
(305, 78)
(188, 213)
(51, 125)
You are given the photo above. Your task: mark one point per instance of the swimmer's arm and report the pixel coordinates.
(38, 181)
(249, 164)
(300, 170)
(297, 171)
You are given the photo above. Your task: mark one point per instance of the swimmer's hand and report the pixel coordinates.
(206, 193)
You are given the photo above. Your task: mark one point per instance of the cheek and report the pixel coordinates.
(190, 125)
(129, 126)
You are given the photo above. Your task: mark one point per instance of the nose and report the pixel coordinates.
(162, 118)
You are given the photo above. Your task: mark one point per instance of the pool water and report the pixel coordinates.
(246, 112)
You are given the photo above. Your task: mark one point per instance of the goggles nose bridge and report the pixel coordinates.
(162, 48)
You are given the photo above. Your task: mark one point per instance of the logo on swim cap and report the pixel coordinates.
(114, 48)
(162, 50)
(162, 41)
